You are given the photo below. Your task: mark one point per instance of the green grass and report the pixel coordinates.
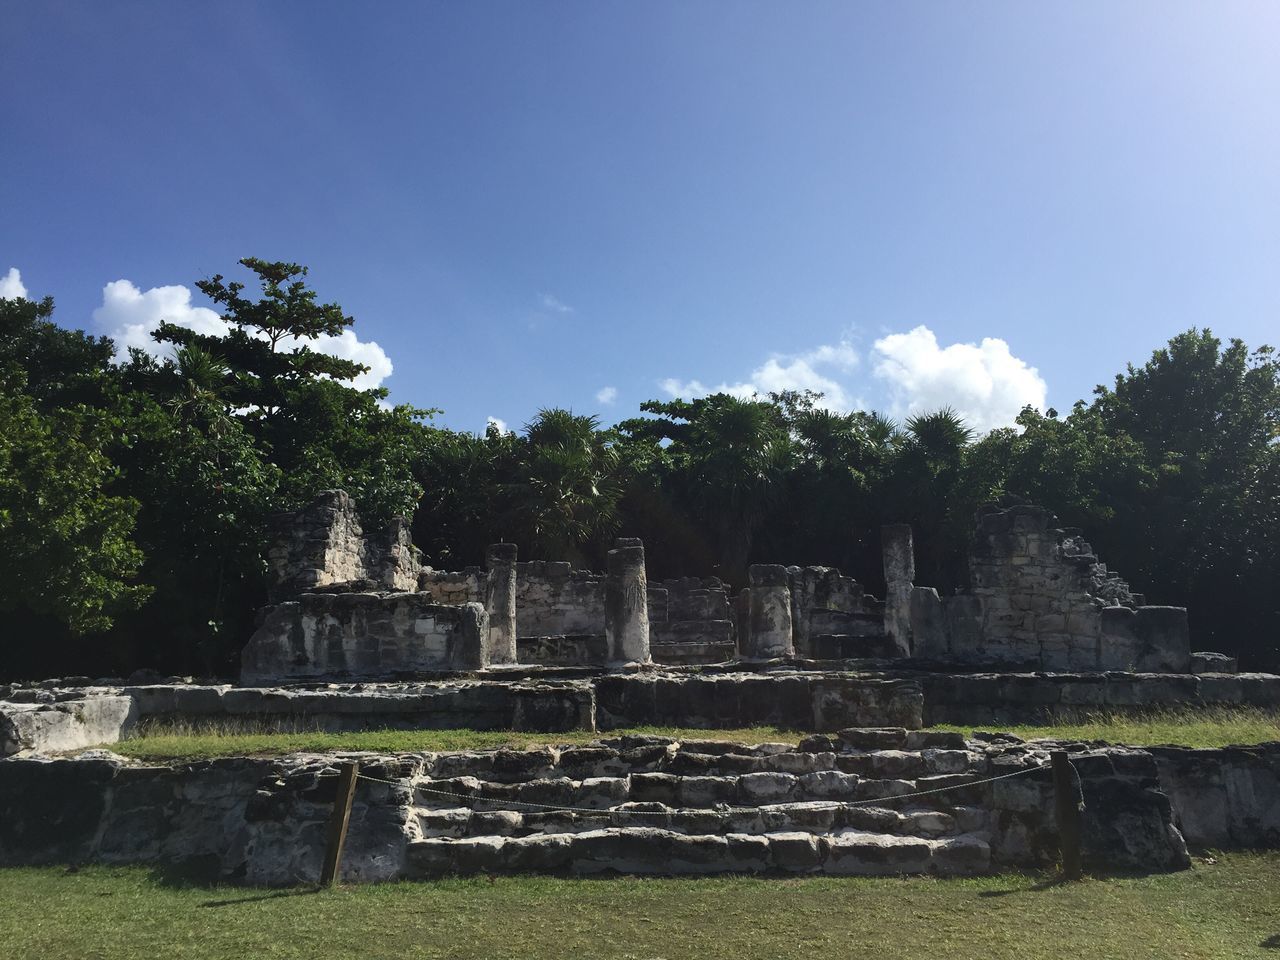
(1226, 909)
(1201, 727)
(217, 740)
(1210, 727)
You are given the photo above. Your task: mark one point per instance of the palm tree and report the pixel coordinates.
(567, 495)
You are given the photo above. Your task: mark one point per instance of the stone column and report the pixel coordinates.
(770, 635)
(626, 603)
(470, 645)
(500, 602)
(898, 548)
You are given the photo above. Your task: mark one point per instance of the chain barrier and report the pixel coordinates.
(595, 811)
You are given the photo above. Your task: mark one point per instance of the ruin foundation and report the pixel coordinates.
(834, 804)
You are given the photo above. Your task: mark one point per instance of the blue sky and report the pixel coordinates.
(591, 204)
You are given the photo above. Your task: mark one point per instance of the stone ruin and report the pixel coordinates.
(360, 634)
(352, 606)
(1039, 599)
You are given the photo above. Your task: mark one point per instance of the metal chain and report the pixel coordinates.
(666, 813)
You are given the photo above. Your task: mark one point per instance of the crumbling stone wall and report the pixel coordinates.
(554, 600)
(832, 617)
(812, 612)
(1039, 598)
(453, 587)
(324, 543)
(364, 635)
(690, 620)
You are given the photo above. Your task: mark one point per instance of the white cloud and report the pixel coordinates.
(787, 372)
(607, 395)
(500, 425)
(11, 287)
(984, 383)
(554, 304)
(350, 347)
(129, 314)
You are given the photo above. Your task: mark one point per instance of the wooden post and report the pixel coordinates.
(338, 823)
(1068, 809)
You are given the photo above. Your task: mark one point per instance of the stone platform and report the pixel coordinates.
(835, 804)
(798, 695)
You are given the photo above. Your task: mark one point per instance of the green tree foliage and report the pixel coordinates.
(461, 476)
(65, 547)
(297, 403)
(1206, 418)
(201, 449)
(155, 480)
(67, 560)
(238, 427)
(206, 492)
(563, 501)
(56, 367)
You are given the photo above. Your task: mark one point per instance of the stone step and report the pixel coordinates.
(649, 850)
(870, 753)
(748, 789)
(819, 817)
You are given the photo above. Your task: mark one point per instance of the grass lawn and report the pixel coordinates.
(1214, 727)
(1230, 908)
(1205, 727)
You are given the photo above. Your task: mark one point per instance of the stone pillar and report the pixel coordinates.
(626, 603)
(500, 602)
(470, 646)
(899, 576)
(742, 621)
(770, 634)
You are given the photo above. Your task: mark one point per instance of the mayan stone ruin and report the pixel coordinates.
(353, 606)
(361, 634)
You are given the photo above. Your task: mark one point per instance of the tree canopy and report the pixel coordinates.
(135, 497)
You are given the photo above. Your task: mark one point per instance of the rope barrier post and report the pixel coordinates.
(338, 823)
(1068, 810)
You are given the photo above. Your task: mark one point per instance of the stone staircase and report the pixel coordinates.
(659, 806)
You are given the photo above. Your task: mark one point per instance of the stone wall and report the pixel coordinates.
(690, 621)
(323, 635)
(70, 722)
(1226, 798)
(1039, 598)
(454, 587)
(324, 543)
(837, 804)
(833, 618)
(810, 612)
(51, 716)
(1014, 698)
(554, 600)
(791, 700)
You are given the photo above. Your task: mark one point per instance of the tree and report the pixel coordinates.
(65, 546)
(830, 510)
(57, 367)
(463, 477)
(723, 463)
(1206, 419)
(206, 494)
(297, 403)
(564, 499)
(68, 562)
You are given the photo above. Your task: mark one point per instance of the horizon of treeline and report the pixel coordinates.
(136, 497)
